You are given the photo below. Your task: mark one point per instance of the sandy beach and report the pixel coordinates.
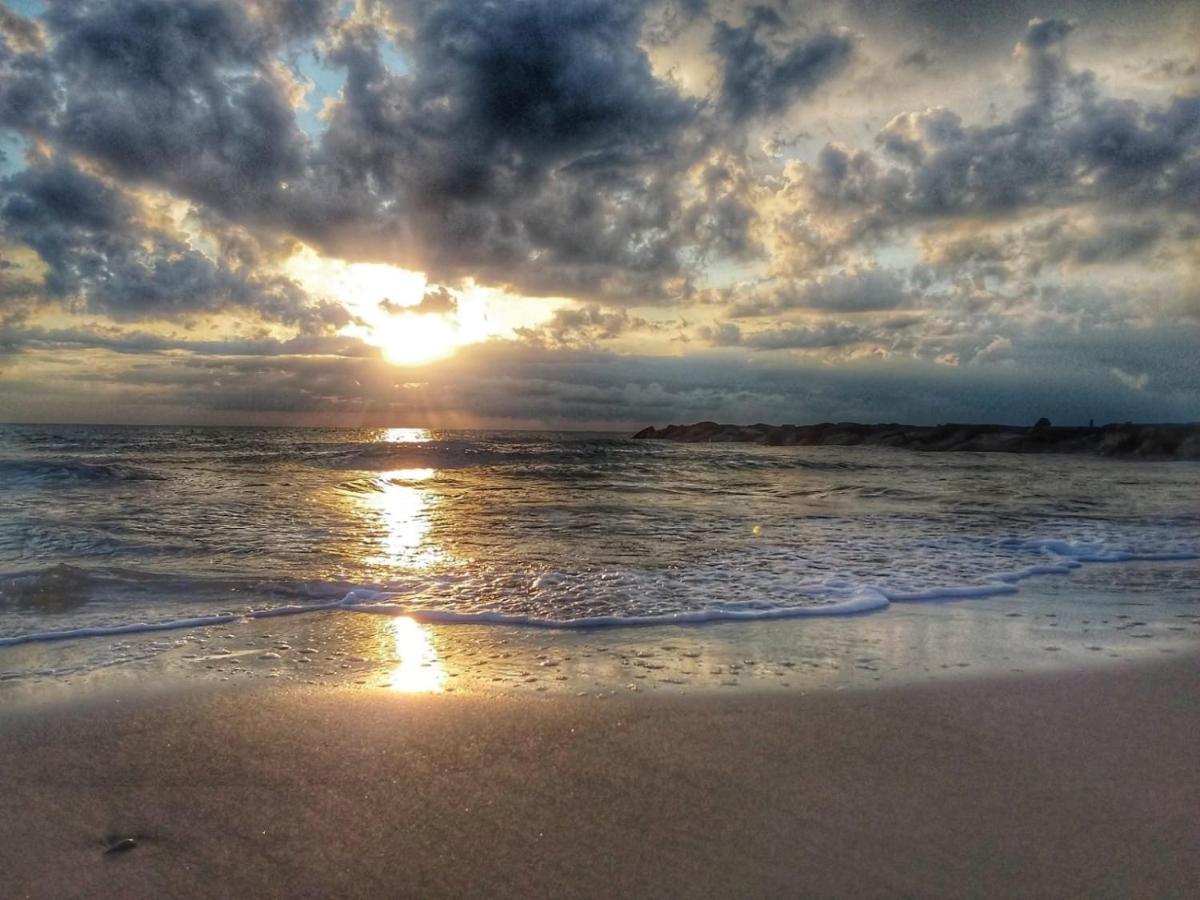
(1055, 784)
(584, 449)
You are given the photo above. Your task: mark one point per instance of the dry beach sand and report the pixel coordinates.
(1079, 783)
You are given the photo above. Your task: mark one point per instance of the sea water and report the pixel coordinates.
(109, 531)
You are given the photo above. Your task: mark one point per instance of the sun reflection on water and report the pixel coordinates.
(418, 669)
(409, 474)
(401, 507)
(406, 435)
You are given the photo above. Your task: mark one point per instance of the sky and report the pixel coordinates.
(598, 214)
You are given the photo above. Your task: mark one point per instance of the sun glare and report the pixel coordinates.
(412, 338)
(415, 339)
(407, 436)
(404, 507)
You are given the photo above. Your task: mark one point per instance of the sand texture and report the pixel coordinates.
(1057, 785)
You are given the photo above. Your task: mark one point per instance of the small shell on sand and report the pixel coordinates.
(121, 845)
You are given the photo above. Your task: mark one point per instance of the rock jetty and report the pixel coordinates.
(1120, 440)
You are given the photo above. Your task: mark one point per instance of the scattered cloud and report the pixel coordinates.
(619, 210)
(438, 302)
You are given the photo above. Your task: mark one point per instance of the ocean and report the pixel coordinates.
(113, 531)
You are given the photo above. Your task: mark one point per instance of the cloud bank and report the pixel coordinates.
(774, 209)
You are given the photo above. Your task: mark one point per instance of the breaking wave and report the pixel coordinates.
(835, 596)
(32, 472)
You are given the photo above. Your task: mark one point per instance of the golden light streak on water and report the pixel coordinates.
(406, 435)
(390, 519)
(404, 508)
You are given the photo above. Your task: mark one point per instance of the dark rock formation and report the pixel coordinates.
(1122, 440)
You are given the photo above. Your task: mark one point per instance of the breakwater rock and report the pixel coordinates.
(1119, 440)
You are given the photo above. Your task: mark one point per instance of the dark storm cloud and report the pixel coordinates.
(98, 252)
(24, 35)
(585, 327)
(1115, 242)
(543, 82)
(921, 60)
(726, 334)
(19, 294)
(27, 90)
(1152, 157)
(758, 79)
(509, 382)
(1066, 239)
(531, 143)
(862, 291)
(786, 337)
(179, 93)
(438, 301)
(969, 29)
(296, 18)
(69, 218)
(186, 94)
(528, 143)
(135, 343)
(1068, 145)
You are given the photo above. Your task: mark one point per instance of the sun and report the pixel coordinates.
(378, 293)
(414, 339)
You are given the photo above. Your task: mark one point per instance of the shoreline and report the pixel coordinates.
(1054, 623)
(1038, 784)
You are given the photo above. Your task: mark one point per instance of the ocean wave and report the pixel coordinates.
(531, 455)
(34, 472)
(407, 456)
(368, 602)
(56, 589)
(599, 460)
(62, 588)
(67, 634)
(835, 596)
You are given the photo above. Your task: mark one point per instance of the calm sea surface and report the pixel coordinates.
(110, 529)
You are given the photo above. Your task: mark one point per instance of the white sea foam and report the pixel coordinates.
(864, 601)
(836, 596)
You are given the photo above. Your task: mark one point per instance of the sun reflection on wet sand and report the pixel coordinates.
(418, 669)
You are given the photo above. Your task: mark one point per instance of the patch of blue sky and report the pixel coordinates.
(12, 152)
(393, 58)
(900, 254)
(725, 273)
(27, 7)
(327, 81)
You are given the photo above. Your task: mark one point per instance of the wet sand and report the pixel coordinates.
(1097, 617)
(1062, 784)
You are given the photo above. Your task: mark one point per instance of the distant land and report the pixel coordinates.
(1127, 440)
